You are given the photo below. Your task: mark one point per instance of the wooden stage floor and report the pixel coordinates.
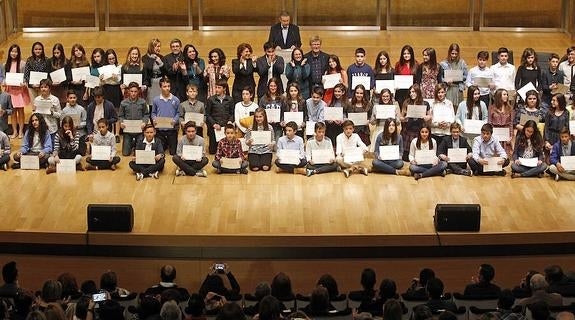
(282, 210)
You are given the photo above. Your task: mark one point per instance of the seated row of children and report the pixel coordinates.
(427, 156)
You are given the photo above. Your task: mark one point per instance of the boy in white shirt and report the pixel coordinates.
(345, 141)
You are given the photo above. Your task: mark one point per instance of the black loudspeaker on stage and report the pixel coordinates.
(110, 217)
(457, 217)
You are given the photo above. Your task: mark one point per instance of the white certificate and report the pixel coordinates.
(58, 76)
(245, 147)
(230, 163)
(164, 123)
(220, 134)
(108, 71)
(133, 126)
(29, 162)
(132, 77)
(273, 115)
(529, 162)
(92, 81)
(525, 117)
(389, 152)
(296, 117)
(572, 126)
(358, 118)
(333, 113)
(194, 153)
(492, 165)
(351, 155)
(309, 128)
(287, 156)
(330, 80)
(363, 80)
(384, 84)
(425, 156)
(502, 134)
(322, 156)
(402, 81)
(80, 74)
(482, 82)
(198, 118)
(473, 126)
(75, 118)
(568, 162)
(522, 92)
(384, 111)
(101, 152)
(14, 79)
(145, 157)
(457, 155)
(43, 106)
(453, 75)
(66, 166)
(261, 137)
(442, 115)
(36, 77)
(416, 111)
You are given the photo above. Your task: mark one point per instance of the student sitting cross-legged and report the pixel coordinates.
(290, 141)
(190, 167)
(103, 138)
(422, 143)
(260, 155)
(230, 147)
(563, 148)
(66, 146)
(389, 137)
(485, 147)
(319, 142)
(36, 141)
(149, 143)
(528, 145)
(455, 141)
(346, 141)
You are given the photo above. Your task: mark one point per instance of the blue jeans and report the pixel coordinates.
(428, 170)
(387, 166)
(528, 171)
(129, 142)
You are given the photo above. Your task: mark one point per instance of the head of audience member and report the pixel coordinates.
(392, 310)
(298, 315)
(170, 294)
(109, 281)
(565, 315)
(54, 311)
(486, 273)
(51, 291)
(424, 275)
(111, 310)
(36, 315)
(526, 281)
(554, 274)
(538, 283)
(10, 272)
(319, 300)
(69, 285)
(269, 308)
(82, 305)
(213, 283)
(89, 287)
(262, 289)
(315, 44)
(148, 306)
(506, 300)
(447, 315)
(539, 310)
(168, 273)
(23, 303)
(368, 279)
(196, 305)
(363, 316)
(284, 19)
(281, 287)
(387, 289)
(170, 311)
(434, 288)
(328, 281)
(231, 311)
(422, 312)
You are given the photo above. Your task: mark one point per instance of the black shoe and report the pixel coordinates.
(16, 165)
(117, 139)
(502, 173)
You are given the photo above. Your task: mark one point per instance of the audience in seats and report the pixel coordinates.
(435, 291)
(167, 276)
(539, 287)
(482, 286)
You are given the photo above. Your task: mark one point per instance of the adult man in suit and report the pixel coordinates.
(455, 141)
(284, 34)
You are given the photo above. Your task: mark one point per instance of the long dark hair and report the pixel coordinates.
(42, 55)
(58, 63)
(432, 63)
(187, 60)
(418, 142)
(265, 124)
(221, 56)
(9, 58)
(387, 137)
(102, 53)
(411, 62)
(67, 120)
(536, 138)
(42, 129)
(471, 103)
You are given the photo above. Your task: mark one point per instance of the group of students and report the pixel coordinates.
(175, 87)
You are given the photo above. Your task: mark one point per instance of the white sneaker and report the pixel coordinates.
(139, 176)
(202, 173)
(180, 173)
(155, 175)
